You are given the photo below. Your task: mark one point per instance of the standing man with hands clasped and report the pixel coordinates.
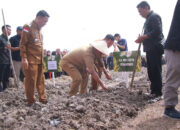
(31, 47)
(15, 43)
(152, 40)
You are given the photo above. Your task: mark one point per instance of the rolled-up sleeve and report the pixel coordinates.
(101, 62)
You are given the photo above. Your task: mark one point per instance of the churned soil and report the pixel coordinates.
(106, 110)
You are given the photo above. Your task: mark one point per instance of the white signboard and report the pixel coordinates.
(52, 65)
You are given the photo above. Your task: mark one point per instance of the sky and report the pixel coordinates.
(74, 23)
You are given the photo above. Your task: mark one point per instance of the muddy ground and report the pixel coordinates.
(106, 110)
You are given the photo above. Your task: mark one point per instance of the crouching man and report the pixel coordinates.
(80, 63)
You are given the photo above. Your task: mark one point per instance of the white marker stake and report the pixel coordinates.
(127, 79)
(53, 78)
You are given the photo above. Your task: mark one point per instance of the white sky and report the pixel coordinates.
(74, 23)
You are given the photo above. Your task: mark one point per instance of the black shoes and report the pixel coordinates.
(44, 102)
(172, 113)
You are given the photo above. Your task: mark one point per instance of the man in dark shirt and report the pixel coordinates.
(121, 43)
(4, 58)
(15, 43)
(152, 40)
(172, 53)
(110, 61)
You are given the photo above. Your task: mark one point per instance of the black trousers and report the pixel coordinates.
(58, 74)
(5, 73)
(46, 75)
(154, 67)
(21, 77)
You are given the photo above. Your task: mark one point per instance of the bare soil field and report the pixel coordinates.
(115, 109)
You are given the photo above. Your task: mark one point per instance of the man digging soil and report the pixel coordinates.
(81, 62)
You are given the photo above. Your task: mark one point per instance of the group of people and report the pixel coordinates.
(88, 60)
(48, 54)
(27, 52)
(121, 45)
(152, 40)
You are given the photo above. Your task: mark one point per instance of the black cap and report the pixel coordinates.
(19, 28)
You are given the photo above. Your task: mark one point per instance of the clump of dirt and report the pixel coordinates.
(92, 111)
